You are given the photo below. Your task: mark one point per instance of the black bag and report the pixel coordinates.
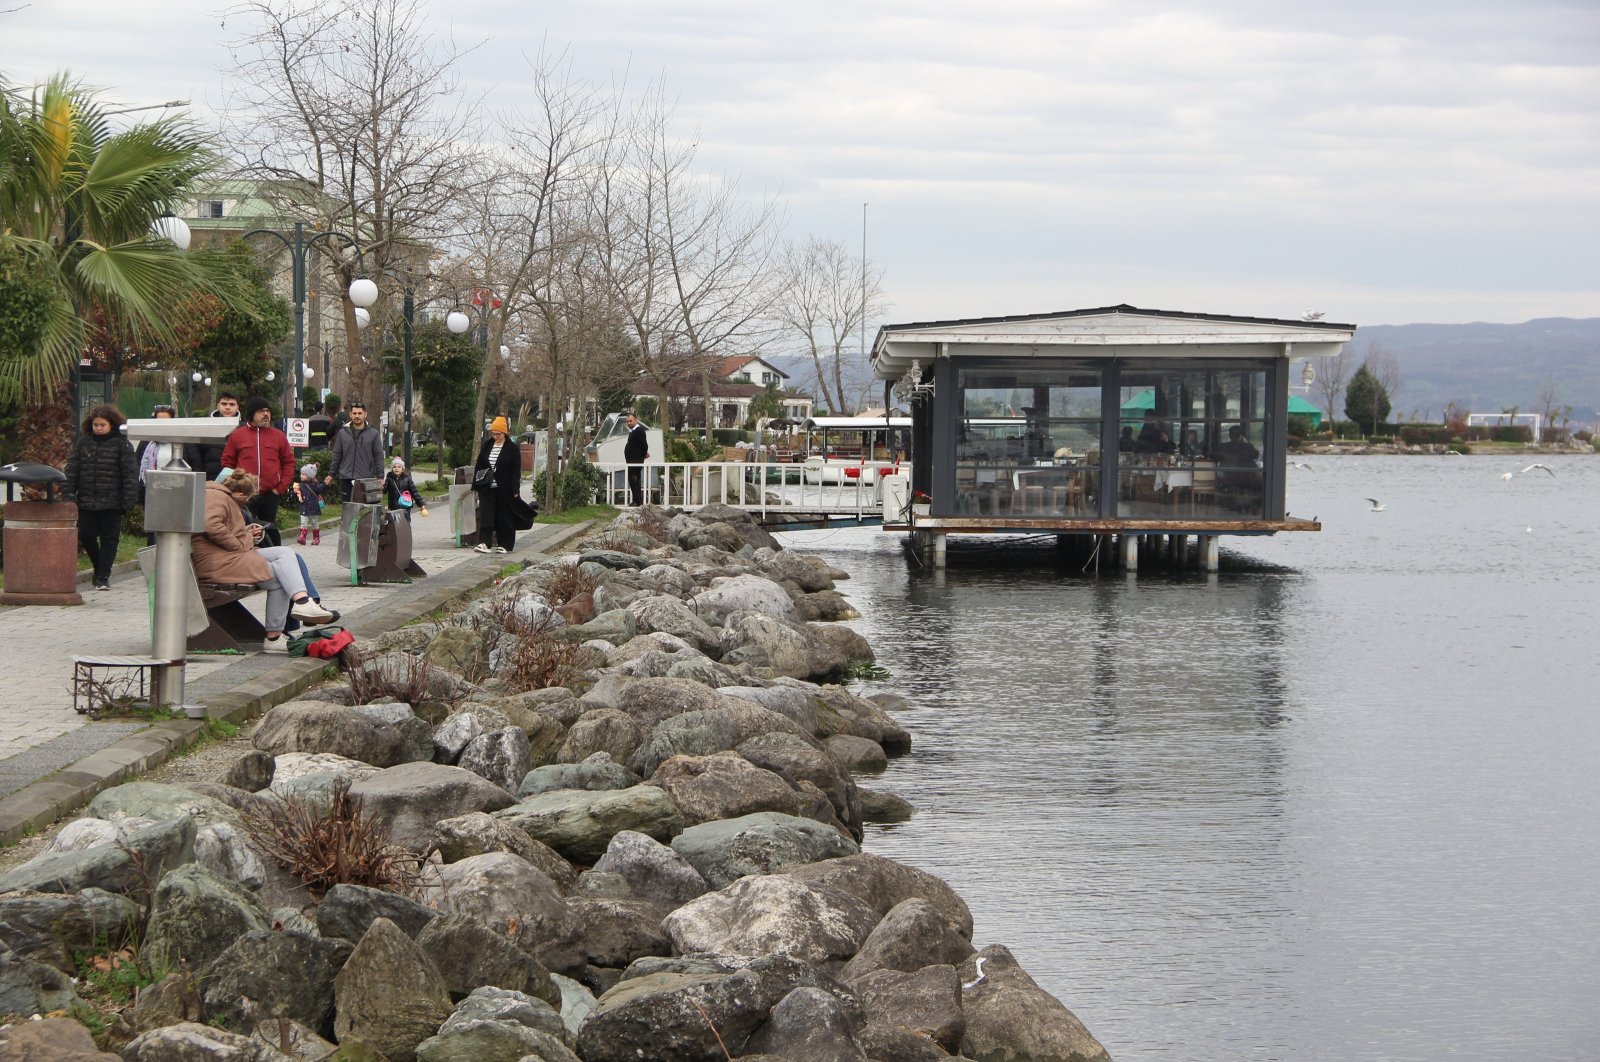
(519, 514)
(480, 478)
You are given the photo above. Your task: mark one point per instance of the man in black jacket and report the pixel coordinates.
(636, 451)
(207, 457)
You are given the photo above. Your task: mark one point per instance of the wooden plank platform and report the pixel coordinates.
(990, 525)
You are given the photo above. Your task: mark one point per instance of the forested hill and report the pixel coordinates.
(1490, 367)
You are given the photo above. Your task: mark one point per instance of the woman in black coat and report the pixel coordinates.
(497, 477)
(103, 478)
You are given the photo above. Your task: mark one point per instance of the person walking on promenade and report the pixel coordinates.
(309, 491)
(357, 452)
(636, 451)
(497, 477)
(103, 478)
(263, 451)
(400, 490)
(207, 457)
(146, 456)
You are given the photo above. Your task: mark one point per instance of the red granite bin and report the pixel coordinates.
(41, 541)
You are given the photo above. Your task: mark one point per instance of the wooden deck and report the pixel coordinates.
(1000, 525)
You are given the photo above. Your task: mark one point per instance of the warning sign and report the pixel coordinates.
(299, 431)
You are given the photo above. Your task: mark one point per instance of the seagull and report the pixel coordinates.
(1301, 464)
(1377, 506)
(1531, 467)
(976, 981)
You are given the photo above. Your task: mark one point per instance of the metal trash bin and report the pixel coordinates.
(40, 545)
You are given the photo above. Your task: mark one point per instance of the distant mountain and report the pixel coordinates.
(1484, 368)
(1490, 367)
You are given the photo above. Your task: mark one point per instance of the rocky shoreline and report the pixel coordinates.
(607, 812)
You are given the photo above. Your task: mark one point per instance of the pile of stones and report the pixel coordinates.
(660, 859)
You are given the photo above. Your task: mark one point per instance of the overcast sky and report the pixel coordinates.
(1385, 163)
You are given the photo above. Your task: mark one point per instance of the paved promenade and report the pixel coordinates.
(40, 733)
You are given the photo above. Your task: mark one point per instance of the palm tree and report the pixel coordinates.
(77, 202)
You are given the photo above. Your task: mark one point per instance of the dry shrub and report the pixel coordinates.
(542, 658)
(652, 521)
(337, 846)
(567, 583)
(412, 682)
(611, 540)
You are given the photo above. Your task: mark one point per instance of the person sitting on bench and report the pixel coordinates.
(226, 552)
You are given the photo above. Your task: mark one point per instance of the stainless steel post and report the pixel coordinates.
(170, 629)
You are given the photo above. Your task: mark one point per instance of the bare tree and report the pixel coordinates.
(352, 114)
(823, 305)
(1332, 375)
(1385, 368)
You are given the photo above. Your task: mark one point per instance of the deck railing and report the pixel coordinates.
(758, 487)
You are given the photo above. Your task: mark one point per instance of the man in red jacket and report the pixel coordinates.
(263, 451)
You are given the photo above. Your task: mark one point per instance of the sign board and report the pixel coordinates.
(299, 431)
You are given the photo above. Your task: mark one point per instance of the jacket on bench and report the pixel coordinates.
(225, 552)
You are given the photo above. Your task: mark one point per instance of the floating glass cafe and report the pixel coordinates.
(1138, 430)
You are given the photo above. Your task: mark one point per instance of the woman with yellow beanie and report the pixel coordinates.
(497, 477)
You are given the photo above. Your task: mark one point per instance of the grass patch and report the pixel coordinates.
(578, 514)
(866, 671)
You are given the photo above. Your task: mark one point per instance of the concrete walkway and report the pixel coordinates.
(50, 756)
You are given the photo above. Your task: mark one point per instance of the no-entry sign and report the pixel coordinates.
(299, 431)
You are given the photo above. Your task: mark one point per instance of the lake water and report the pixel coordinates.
(1338, 800)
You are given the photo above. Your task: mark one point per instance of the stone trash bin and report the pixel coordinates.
(41, 540)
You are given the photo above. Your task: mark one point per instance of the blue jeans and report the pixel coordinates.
(293, 624)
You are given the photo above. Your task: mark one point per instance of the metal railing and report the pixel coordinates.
(758, 487)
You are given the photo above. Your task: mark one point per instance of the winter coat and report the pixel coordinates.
(102, 473)
(264, 453)
(225, 552)
(394, 486)
(310, 494)
(507, 478)
(637, 449)
(356, 454)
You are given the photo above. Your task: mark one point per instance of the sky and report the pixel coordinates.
(1381, 163)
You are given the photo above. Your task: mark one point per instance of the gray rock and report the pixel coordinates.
(706, 672)
(580, 824)
(773, 915)
(453, 735)
(856, 753)
(615, 627)
(788, 647)
(416, 732)
(348, 911)
(926, 1000)
(145, 855)
(28, 987)
(479, 834)
(52, 927)
(508, 1005)
(82, 834)
(294, 1040)
(389, 995)
(458, 649)
(610, 558)
(669, 615)
(690, 734)
(796, 761)
(317, 775)
(270, 975)
(884, 884)
(651, 870)
(912, 935)
(489, 716)
(310, 726)
(843, 712)
(196, 916)
(403, 671)
(762, 843)
(605, 693)
(679, 1016)
(811, 1025)
(1010, 1016)
(604, 730)
(409, 799)
(896, 1043)
(596, 771)
(743, 593)
(502, 756)
(828, 606)
(251, 772)
(781, 564)
(193, 1042)
(612, 932)
(155, 802)
(880, 805)
(577, 1003)
(723, 785)
(471, 956)
(223, 850)
(476, 1040)
(511, 897)
(51, 1040)
(668, 580)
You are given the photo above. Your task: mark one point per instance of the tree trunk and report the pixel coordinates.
(46, 426)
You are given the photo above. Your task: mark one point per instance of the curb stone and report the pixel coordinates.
(39, 803)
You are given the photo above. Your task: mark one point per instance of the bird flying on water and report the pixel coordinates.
(1377, 506)
(1525, 471)
(1301, 464)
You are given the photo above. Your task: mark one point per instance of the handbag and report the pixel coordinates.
(310, 642)
(406, 500)
(481, 477)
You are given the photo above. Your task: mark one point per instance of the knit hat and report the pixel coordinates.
(398, 462)
(499, 424)
(252, 406)
(309, 470)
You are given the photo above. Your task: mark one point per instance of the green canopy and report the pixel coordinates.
(1136, 407)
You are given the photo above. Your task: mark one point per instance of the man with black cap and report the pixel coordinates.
(357, 451)
(263, 451)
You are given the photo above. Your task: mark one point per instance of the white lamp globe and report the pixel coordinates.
(363, 292)
(363, 318)
(208, 381)
(172, 381)
(457, 322)
(310, 372)
(270, 376)
(197, 377)
(173, 230)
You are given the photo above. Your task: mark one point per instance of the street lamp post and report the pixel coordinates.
(363, 292)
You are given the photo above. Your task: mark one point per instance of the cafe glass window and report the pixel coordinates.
(1189, 443)
(1028, 441)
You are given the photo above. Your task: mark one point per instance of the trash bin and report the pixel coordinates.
(41, 540)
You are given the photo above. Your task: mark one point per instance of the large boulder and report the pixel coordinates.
(416, 732)
(580, 824)
(782, 564)
(724, 785)
(595, 771)
(651, 870)
(742, 593)
(716, 536)
(389, 995)
(497, 1025)
(193, 1042)
(314, 726)
(348, 911)
(458, 649)
(409, 799)
(479, 834)
(126, 867)
(811, 1025)
(224, 850)
(762, 843)
(786, 646)
(683, 1017)
(856, 754)
(51, 1040)
(650, 700)
(612, 932)
(28, 987)
(269, 975)
(926, 1000)
(601, 730)
(511, 897)
(616, 627)
(53, 927)
(502, 756)
(668, 615)
(885, 884)
(799, 705)
(195, 916)
(773, 915)
(798, 761)
(912, 935)
(1009, 1016)
(455, 734)
(316, 775)
(470, 956)
(842, 712)
(689, 734)
(155, 802)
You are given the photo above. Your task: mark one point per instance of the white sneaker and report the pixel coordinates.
(309, 611)
(480, 548)
(279, 645)
(501, 549)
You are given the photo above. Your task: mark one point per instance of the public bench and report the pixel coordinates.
(217, 620)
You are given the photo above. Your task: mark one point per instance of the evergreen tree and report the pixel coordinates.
(1366, 401)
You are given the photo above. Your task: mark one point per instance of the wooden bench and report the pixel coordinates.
(217, 620)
